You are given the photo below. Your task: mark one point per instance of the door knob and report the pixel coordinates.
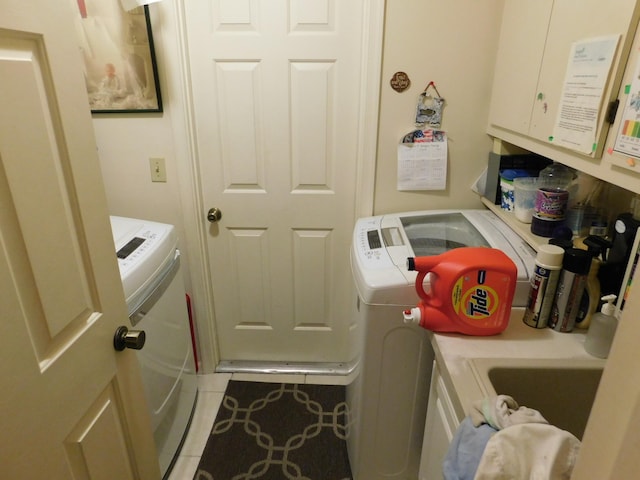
(214, 214)
(125, 338)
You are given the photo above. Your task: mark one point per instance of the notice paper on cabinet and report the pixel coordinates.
(628, 139)
(581, 103)
(422, 161)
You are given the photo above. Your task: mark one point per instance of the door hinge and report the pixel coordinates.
(612, 111)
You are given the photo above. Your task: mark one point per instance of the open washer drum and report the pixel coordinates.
(149, 265)
(388, 398)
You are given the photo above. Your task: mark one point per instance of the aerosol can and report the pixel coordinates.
(470, 291)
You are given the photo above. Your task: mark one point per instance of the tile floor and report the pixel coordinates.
(211, 389)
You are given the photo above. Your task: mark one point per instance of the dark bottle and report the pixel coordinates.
(571, 285)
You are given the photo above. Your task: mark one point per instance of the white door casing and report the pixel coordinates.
(278, 107)
(72, 407)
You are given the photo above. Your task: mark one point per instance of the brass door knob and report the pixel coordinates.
(214, 215)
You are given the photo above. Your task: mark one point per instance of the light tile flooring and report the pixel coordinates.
(211, 389)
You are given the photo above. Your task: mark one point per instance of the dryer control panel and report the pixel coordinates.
(129, 248)
(143, 248)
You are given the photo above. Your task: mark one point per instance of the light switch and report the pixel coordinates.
(158, 172)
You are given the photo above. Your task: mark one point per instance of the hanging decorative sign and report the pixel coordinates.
(400, 81)
(429, 109)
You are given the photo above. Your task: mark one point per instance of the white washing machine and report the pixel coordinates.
(150, 270)
(388, 398)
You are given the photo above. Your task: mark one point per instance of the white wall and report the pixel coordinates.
(125, 144)
(452, 44)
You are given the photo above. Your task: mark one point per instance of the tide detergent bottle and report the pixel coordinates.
(470, 291)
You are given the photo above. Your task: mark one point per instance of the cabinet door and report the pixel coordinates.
(571, 21)
(440, 426)
(522, 40)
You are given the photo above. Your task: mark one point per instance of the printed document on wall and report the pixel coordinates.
(584, 85)
(422, 161)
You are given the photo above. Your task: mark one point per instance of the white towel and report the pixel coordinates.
(530, 451)
(503, 411)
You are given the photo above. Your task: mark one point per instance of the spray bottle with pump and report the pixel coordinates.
(602, 329)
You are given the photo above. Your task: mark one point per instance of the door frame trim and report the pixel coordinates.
(180, 104)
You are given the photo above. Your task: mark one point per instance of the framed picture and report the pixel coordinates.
(119, 59)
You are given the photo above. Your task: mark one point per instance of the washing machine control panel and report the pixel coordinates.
(370, 247)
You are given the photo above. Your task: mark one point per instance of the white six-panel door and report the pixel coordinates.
(277, 100)
(71, 406)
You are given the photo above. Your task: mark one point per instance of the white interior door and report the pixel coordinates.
(277, 100)
(71, 406)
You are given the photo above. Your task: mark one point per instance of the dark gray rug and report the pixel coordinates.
(277, 431)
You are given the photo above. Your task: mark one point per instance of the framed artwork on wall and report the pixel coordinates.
(120, 67)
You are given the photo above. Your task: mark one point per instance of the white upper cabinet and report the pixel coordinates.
(535, 43)
(515, 83)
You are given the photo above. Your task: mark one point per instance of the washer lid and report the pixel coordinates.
(142, 248)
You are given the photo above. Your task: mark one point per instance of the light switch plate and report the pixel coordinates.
(158, 171)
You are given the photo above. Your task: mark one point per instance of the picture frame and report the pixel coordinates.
(120, 68)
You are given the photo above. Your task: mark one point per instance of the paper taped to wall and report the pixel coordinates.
(422, 161)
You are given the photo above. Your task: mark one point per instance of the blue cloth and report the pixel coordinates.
(465, 450)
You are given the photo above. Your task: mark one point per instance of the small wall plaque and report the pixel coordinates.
(400, 81)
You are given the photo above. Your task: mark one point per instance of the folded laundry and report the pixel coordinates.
(529, 451)
(465, 450)
(502, 411)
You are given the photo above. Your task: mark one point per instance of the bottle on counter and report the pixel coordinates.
(544, 281)
(591, 296)
(552, 199)
(571, 284)
(603, 329)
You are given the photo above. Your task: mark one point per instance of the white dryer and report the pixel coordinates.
(388, 398)
(149, 265)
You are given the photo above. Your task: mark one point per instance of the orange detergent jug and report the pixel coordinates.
(471, 291)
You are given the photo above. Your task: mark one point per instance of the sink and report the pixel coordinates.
(561, 390)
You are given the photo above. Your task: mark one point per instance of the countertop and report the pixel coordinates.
(455, 354)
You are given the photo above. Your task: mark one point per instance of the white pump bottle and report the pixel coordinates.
(602, 329)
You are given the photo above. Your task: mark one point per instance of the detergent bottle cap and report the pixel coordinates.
(413, 315)
(608, 308)
(411, 264)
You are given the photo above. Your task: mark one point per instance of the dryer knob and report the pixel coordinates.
(125, 338)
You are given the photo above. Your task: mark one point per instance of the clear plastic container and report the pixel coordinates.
(507, 187)
(525, 189)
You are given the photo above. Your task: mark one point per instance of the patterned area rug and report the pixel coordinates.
(274, 431)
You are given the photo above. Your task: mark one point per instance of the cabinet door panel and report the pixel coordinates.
(522, 41)
(571, 21)
(440, 426)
